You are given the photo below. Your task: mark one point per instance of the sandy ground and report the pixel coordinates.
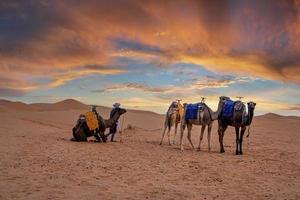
(39, 162)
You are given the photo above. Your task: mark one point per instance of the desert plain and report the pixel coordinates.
(38, 160)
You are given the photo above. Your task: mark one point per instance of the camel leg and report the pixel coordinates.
(174, 140)
(103, 137)
(163, 135)
(201, 136)
(189, 136)
(241, 139)
(209, 136)
(237, 140)
(169, 136)
(221, 131)
(182, 128)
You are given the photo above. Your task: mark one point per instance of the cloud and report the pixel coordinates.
(133, 86)
(192, 86)
(295, 107)
(8, 92)
(15, 82)
(128, 44)
(214, 82)
(52, 38)
(80, 72)
(15, 86)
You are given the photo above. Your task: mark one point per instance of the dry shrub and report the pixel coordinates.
(130, 127)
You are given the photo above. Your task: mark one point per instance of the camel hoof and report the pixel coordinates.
(222, 151)
(198, 149)
(160, 143)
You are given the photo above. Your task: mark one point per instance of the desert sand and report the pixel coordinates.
(38, 161)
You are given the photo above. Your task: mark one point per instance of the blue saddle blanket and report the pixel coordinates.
(228, 108)
(192, 111)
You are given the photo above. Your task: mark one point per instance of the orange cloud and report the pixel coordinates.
(242, 38)
(63, 78)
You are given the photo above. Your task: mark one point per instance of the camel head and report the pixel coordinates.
(121, 111)
(224, 98)
(174, 104)
(173, 108)
(251, 105)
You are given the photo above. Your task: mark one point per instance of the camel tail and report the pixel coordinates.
(248, 131)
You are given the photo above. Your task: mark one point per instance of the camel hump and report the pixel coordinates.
(91, 120)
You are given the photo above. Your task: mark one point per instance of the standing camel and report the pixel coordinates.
(206, 118)
(240, 119)
(173, 117)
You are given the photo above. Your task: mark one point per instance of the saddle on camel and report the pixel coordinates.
(92, 124)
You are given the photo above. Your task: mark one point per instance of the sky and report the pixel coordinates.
(145, 54)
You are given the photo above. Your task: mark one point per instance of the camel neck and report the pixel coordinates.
(250, 116)
(215, 115)
(111, 121)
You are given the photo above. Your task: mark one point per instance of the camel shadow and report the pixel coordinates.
(187, 148)
(73, 140)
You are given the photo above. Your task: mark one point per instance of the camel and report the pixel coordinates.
(206, 118)
(81, 131)
(240, 120)
(173, 117)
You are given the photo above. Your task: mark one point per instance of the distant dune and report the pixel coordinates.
(145, 119)
(72, 104)
(68, 104)
(6, 105)
(274, 116)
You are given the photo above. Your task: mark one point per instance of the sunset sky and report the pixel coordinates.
(144, 54)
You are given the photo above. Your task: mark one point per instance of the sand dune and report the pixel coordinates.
(39, 162)
(68, 104)
(14, 106)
